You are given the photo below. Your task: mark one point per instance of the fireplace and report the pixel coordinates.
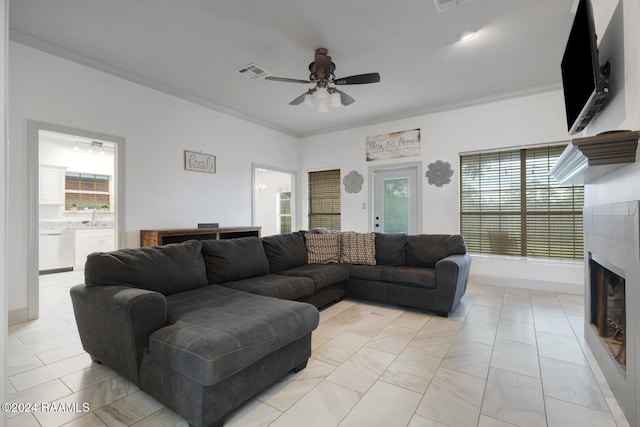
(612, 298)
(608, 309)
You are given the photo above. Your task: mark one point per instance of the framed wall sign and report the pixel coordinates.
(199, 162)
(393, 145)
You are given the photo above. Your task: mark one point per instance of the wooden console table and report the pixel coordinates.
(177, 235)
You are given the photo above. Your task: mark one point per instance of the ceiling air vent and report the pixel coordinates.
(253, 72)
(443, 5)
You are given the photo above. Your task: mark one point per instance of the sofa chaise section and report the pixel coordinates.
(201, 349)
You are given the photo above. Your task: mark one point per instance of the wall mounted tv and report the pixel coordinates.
(584, 80)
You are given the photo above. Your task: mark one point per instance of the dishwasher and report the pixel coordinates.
(56, 250)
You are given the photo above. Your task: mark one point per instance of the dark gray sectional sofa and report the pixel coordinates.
(204, 326)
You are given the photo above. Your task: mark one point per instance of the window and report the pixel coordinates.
(85, 190)
(509, 205)
(324, 199)
(284, 212)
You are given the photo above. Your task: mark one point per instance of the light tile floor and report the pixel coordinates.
(506, 357)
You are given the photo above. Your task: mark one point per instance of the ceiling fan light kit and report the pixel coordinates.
(324, 95)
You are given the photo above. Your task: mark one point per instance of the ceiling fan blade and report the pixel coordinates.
(358, 79)
(287, 80)
(298, 100)
(345, 99)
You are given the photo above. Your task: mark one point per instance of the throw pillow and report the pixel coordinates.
(358, 248)
(323, 248)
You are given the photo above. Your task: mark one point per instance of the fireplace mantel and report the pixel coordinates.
(586, 159)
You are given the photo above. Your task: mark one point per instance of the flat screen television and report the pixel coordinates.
(584, 81)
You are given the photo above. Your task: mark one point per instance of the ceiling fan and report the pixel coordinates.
(324, 94)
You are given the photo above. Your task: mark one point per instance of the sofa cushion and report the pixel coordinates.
(323, 275)
(285, 251)
(166, 269)
(425, 250)
(410, 276)
(234, 259)
(357, 248)
(367, 272)
(275, 285)
(216, 332)
(390, 248)
(322, 248)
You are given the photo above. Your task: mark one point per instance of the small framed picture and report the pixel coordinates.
(199, 162)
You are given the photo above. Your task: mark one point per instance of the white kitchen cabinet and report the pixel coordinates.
(92, 240)
(51, 185)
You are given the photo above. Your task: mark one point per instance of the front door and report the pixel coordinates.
(396, 200)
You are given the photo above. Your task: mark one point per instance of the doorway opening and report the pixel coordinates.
(396, 197)
(76, 200)
(274, 199)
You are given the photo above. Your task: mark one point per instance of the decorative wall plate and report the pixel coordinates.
(353, 182)
(439, 173)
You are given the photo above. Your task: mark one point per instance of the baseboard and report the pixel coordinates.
(18, 315)
(538, 285)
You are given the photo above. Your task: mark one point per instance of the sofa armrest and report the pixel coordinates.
(115, 323)
(452, 274)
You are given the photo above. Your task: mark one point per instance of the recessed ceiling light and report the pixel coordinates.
(466, 35)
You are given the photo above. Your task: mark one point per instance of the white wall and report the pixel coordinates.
(4, 283)
(621, 45)
(520, 121)
(157, 128)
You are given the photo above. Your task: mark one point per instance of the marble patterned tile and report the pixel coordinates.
(514, 398)
(481, 332)
(129, 410)
(362, 369)
(420, 421)
(325, 405)
(516, 357)
(517, 313)
(95, 397)
(560, 347)
(252, 414)
(553, 325)
(521, 332)
(323, 334)
(470, 357)
(453, 399)
(484, 314)
(47, 373)
(488, 300)
(339, 349)
(22, 363)
(88, 377)
(413, 369)
(383, 405)
(435, 338)
(412, 320)
(89, 420)
(23, 420)
(492, 422)
(47, 392)
(64, 352)
(393, 339)
(562, 414)
(389, 311)
(163, 418)
(371, 325)
(284, 393)
(571, 383)
(49, 367)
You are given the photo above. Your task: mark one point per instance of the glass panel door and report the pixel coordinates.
(396, 200)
